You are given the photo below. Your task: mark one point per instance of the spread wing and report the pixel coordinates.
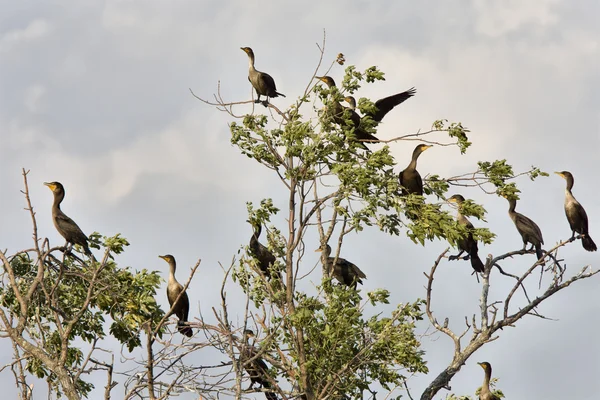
(386, 104)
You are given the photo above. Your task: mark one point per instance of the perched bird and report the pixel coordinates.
(262, 82)
(530, 232)
(384, 105)
(255, 366)
(65, 225)
(486, 393)
(265, 258)
(343, 270)
(466, 244)
(182, 309)
(576, 215)
(337, 110)
(410, 179)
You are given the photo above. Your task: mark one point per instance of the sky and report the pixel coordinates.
(96, 95)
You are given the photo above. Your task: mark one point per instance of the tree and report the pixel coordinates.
(55, 308)
(327, 340)
(345, 189)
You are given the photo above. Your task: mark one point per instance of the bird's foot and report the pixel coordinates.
(572, 238)
(265, 103)
(257, 101)
(452, 258)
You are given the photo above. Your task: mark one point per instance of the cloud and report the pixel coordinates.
(33, 97)
(190, 147)
(36, 29)
(500, 18)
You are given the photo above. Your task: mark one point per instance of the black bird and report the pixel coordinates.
(467, 244)
(262, 82)
(65, 225)
(343, 270)
(576, 215)
(265, 258)
(486, 392)
(255, 366)
(410, 179)
(338, 111)
(182, 309)
(384, 105)
(530, 232)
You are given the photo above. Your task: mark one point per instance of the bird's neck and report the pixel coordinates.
(568, 191)
(58, 198)
(257, 231)
(512, 206)
(570, 183)
(461, 218)
(172, 268)
(413, 161)
(486, 379)
(251, 62)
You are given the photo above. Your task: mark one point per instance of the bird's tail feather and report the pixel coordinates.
(88, 252)
(588, 243)
(368, 136)
(539, 252)
(271, 396)
(476, 262)
(267, 385)
(280, 94)
(184, 329)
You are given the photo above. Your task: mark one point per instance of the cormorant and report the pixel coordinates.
(338, 111)
(486, 393)
(343, 270)
(576, 215)
(65, 225)
(262, 82)
(410, 179)
(530, 232)
(182, 308)
(265, 258)
(384, 105)
(255, 366)
(467, 244)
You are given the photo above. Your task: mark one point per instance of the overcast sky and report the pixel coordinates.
(95, 95)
